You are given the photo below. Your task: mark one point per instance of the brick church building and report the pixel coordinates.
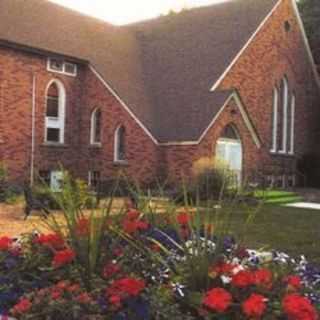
(235, 80)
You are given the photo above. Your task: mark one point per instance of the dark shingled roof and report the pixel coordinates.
(162, 69)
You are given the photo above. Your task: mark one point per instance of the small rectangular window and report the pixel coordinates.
(70, 68)
(61, 66)
(52, 107)
(53, 135)
(56, 65)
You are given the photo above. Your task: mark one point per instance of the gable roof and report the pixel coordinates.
(162, 69)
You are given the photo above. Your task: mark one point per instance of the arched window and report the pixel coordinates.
(120, 144)
(284, 115)
(292, 123)
(275, 120)
(55, 112)
(95, 130)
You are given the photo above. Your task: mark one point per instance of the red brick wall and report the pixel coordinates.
(179, 159)
(141, 151)
(83, 93)
(16, 78)
(272, 54)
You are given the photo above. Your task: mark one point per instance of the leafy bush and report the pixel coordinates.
(211, 179)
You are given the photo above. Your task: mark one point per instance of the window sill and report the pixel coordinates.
(95, 145)
(119, 163)
(54, 145)
(282, 153)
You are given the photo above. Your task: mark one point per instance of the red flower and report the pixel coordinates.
(63, 257)
(22, 307)
(62, 284)
(132, 226)
(52, 240)
(263, 278)
(5, 243)
(83, 298)
(133, 214)
(110, 269)
(73, 288)
(254, 306)
(183, 219)
(222, 268)
(56, 293)
(83, 227)
(298, 308)
(115, 300)
(126, 287)
(243, 279)
(217, 299)
(294, 282)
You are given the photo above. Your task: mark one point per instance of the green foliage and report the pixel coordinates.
(84, 231)
(310, 12)
(211, 179)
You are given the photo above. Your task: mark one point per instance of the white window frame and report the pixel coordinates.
(64, 63)
(56, 122)
(90, 176)
(275, 120)
(285, 116)
(93, 123)
(55, 177)
(116, 146)
(292, 124)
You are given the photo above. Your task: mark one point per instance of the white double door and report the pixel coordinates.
(230, 152)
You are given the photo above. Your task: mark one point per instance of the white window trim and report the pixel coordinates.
(292, 124)
(275, 121)
(93, 128)
(63, 68)
(116, 147)
(56, 122)
(285, 117)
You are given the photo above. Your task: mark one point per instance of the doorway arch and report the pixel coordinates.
(229, 150)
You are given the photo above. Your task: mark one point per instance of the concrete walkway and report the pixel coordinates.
(304, 205)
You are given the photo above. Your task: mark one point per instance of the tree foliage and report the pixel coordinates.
(310, 12)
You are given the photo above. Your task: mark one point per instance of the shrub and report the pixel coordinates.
(211, 179)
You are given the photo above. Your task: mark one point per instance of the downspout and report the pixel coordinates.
(33, 121)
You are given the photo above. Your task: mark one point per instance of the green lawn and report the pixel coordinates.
(277, 196)
(295, 231)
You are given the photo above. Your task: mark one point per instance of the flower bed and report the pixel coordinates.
(139, 265)
(153, 270)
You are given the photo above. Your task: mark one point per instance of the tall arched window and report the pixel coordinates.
(275, 120)
(284, 115)
(292, 123)
(95, 130)
(55, 112)
(120, 144)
